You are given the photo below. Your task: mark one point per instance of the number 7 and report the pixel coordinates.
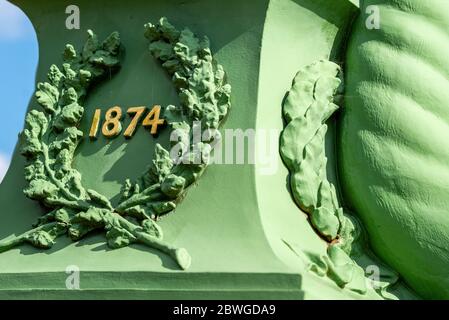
(138, 112)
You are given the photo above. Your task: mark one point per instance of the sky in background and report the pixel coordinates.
(18, 62)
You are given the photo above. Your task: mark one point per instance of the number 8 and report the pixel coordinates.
(112, 126)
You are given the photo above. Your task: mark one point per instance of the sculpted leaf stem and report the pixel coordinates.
(51, 174)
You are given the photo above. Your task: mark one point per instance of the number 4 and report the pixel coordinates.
(152, 119)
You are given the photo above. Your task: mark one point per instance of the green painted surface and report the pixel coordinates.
(198, 222)
(325, 26)
(246, 236)
(240, 249)
(393, 141)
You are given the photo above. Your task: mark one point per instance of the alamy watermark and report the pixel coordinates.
(258, 147)
(372, 22)
(372, 273)
(72, 281)
(73, 19)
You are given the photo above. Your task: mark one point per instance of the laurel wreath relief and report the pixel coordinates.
(51, 137)
(313, 99)
(306, 109)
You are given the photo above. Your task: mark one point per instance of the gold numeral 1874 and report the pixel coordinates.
(112, 125)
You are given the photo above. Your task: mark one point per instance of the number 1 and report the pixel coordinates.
(95, 124)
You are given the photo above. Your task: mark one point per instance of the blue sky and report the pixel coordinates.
(18, 62)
